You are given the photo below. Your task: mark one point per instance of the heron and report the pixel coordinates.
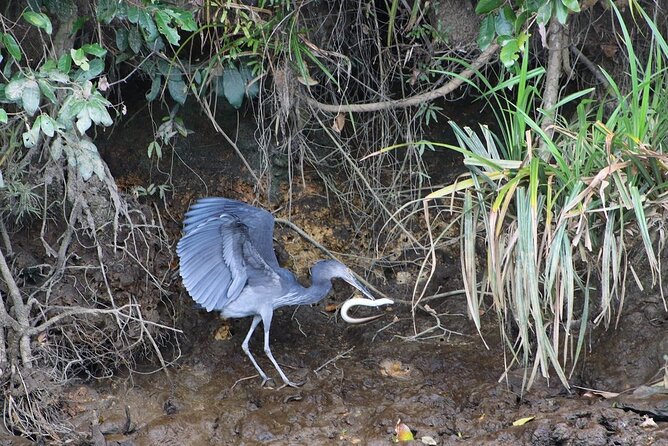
(228, 264)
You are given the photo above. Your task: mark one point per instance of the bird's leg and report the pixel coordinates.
(266, 323)
(244, 346)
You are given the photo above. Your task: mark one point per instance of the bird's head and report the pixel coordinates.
(329, 269)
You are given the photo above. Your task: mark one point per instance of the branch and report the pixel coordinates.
(455, 83)
(77, 311)
(551, 89)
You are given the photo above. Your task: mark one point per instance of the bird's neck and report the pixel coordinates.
(320, 287)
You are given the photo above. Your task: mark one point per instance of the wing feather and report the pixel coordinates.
(225, 243)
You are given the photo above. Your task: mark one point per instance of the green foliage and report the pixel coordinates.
(509, 22)
(551, 226)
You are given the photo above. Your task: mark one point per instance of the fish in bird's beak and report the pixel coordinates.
(363, 302)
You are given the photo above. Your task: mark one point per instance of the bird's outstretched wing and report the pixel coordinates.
(219, 252)
(259, 222)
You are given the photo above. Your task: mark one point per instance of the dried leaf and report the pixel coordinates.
(339, 123)
(308, 80)
(648, 423)
(223, 333)
(394, 368)
(522, 421)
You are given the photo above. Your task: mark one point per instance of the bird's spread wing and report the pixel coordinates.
(218, 254)
(259, 222)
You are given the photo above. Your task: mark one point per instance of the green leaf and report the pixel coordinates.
(14, 89)
(505, 21)
(251, 89)
(12, 46)
(233, 86)
(155, 88)
(65, 63)
(544, 14)
(154, 147)
(122, 39)
(135, 40)
(3, 116)
(149, 27)
(48, 125)
(79, 58)
(177, 90)
(95, 49)
(95, 67)
(133, 14)
(561, 12)
(30, 97)
(83, 122)
(486, 33)
(509, 53)
(533, 5)
(573, 5)
(520, 21)
(78, 25)
(99, 114)
(184, 20)
(47, 90)
(56, 149)
(163, 20)
(485, 6)
(31, 137)
(88, 159)
(38, 19)
(71, 108)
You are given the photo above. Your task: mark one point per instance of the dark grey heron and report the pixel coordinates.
(228, 264)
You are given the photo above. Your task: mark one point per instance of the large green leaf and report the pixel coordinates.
(485, 6)
(156, 83)
(83, 154)
(148, 25)
(509, 53)
(14, 89)
(30, 96)
(12, 46)
(486, 33)
(561, 12)
(177, 90)
(65, 63)
(135, 40)
(234, 86)
(573, 5)
(47, 90)
(122, 39)
(83, 122)
(47, 125)
(184, 19)
(163, 20)
(95, 49)
(38, 19)
(95, 68)
(99, 114)
(31, 137)
(504, 22)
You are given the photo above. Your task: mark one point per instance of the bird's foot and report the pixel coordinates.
(267, 382)
(288, 383)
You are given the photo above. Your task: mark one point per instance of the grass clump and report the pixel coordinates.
(562, 216)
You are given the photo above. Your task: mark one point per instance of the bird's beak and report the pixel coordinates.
(356, 283)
